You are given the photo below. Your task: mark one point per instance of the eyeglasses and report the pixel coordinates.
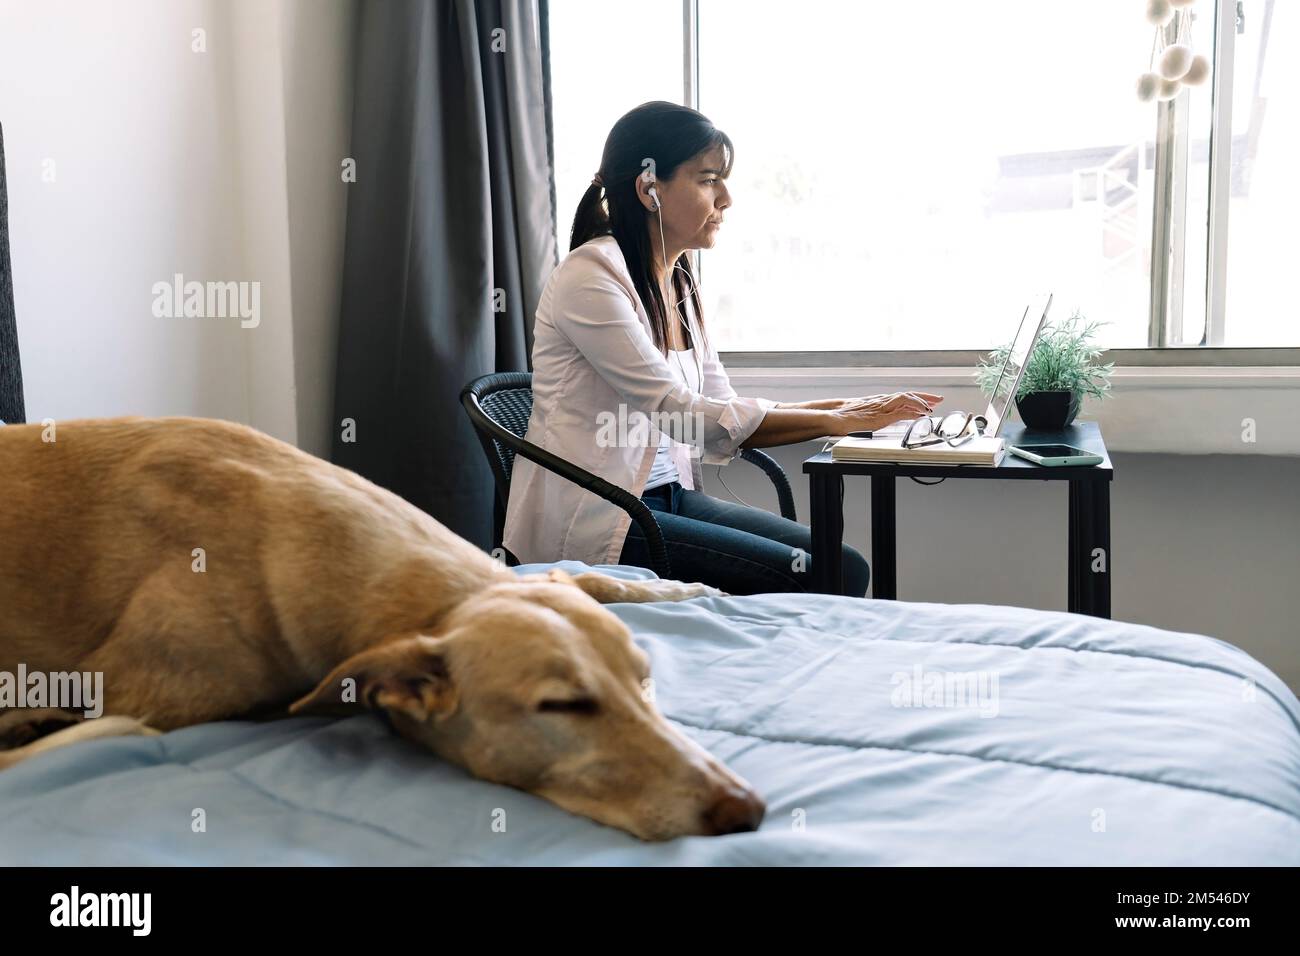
(954, 428)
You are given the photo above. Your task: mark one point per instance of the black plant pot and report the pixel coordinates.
(1048, 411)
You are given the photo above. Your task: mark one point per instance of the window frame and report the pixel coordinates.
(1168, 248)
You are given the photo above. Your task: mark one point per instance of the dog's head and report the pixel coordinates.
(535, 685)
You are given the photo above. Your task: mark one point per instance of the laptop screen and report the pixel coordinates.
(1014, 367)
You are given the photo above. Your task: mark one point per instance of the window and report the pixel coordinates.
(606, 57)
(1242, 301)
(908, 175)
(1263, 190)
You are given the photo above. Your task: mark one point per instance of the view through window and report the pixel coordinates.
(907, 176)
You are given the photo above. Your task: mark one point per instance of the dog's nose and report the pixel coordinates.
(736, 811)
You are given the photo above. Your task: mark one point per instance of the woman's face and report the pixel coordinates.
(692, 202)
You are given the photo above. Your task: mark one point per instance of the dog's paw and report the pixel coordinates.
(684, 591)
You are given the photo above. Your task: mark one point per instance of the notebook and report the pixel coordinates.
(978, 451)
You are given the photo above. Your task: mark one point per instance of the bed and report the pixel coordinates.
(879, 732)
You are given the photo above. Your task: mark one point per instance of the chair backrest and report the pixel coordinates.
(499, 406)
(506, 398)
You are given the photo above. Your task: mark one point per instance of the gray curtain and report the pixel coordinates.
(11, 374)
(452, 200)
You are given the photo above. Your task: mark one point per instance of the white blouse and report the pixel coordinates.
(665, 470)
(601, 389)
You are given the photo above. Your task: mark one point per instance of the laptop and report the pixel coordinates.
(1013, 369)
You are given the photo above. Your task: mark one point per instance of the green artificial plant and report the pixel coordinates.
(1063, 360)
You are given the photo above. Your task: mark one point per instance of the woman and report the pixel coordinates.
(609, 397)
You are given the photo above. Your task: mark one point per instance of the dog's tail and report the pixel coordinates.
(87, 730)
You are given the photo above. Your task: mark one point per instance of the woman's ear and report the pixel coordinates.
(647, 192)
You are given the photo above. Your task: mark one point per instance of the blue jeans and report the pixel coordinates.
(739, 549)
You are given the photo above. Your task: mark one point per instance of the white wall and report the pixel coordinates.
(317, 50)
(169, 160)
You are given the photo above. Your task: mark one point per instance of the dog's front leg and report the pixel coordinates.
(609, 590)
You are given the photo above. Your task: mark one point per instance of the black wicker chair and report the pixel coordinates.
(499, 406)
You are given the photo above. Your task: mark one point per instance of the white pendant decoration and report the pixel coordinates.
(1197, 73)
(1159, 12)
(1173, 63)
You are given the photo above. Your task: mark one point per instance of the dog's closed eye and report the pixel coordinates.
(584, 706)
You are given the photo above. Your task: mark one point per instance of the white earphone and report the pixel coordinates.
(656, 207)
(663, 249)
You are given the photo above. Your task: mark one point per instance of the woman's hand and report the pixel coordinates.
(877, 411)
(789, 422)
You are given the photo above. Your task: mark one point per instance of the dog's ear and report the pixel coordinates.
(409, 675)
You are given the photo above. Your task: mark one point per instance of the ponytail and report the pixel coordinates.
(591, 219)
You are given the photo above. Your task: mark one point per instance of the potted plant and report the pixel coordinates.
(1060, 371)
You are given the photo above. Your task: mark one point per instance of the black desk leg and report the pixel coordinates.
(1090, 555)
(884, 538)
(827, 533)
(1077, 490)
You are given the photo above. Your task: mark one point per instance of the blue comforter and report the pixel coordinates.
(879, 732)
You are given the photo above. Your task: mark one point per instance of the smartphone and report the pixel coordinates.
(1055, 455)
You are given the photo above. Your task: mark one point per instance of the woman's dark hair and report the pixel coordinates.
(669, 135)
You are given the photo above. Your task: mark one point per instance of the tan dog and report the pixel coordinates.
(210, 571)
